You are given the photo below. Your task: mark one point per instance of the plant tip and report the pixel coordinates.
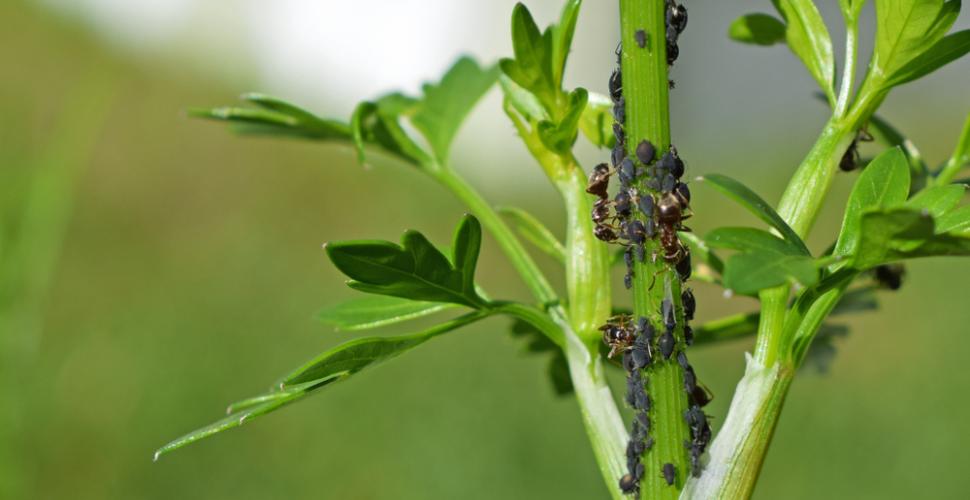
(157, 454)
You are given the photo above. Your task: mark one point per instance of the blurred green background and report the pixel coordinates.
(155, 268)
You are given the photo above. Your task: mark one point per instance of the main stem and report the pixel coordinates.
(645, 89)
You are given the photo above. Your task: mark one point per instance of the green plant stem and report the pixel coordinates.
(645, 90)
(600, 415)
(736, 456)
(959, 160)
(587, 261)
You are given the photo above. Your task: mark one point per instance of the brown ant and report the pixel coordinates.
(599, 180)
(670, 213)
(618, 333)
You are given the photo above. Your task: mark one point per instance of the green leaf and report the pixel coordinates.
(278, 118)
(531, 69)
(748, 273)
(809, 39)
(597, 121)
(943, 52)
(756, 205)
(957, 221)
(757, 29)
(531, 229)
(376, 311)
(562, 39)
(749, 239)
(440, 113)
(900, 233)
(905, 29)
(884, 183)
(560, 137)
(334, 365)
(416, 270)
(937, 200)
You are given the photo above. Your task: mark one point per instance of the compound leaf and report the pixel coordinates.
(334, 365)
(416, 269)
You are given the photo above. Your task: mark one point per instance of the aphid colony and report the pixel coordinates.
(651, 203)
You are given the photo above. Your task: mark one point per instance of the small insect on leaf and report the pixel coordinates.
(757, 29)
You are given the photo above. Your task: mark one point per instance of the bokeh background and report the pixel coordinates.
(155, 268)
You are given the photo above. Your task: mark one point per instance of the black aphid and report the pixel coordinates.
(667, 343)
(641, 38)
(645, 203)
(670, 473)
(646, 152)
(642, 324)
(638, 471)
(677, 18)
(688, 335)
(669, 183)
(682, 360)
(672, 52)
(619, 110)
(635, 232)
(671, 162)
(889, 275)
(618, 153)
(627, 172)
(619, 133)
(628, 257)
(667, 310)
(623, 204)
(628, 363)
(689, 303)
(643, 419)
(616, 85)
(643, 400)
(651, 228)
(641, 252)
(690, 380)
(628, 280)
(641, 354)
